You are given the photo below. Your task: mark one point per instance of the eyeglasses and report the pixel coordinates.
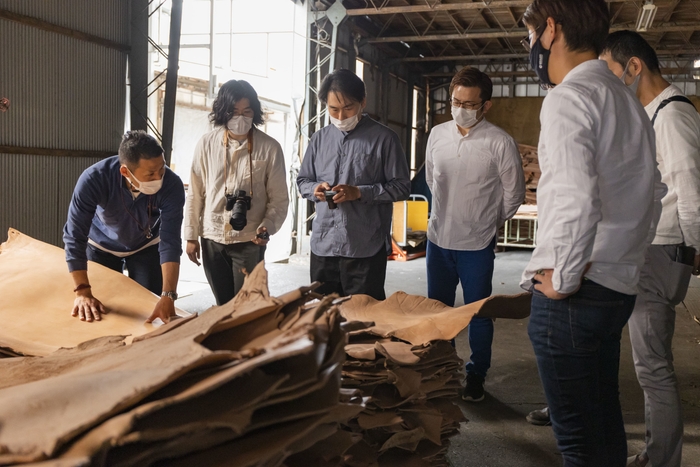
(466, 105)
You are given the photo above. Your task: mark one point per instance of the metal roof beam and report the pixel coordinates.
(522, 32)
(530, 73)
(524, 56)
(388, 10)
(496, 4)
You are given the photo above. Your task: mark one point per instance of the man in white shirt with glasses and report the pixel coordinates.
(475, 174)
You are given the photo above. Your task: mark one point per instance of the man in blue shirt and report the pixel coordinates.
(127, 210)
(362, 163)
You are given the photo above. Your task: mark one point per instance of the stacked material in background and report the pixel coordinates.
(247, 384)
(400, 358)
(531, 167)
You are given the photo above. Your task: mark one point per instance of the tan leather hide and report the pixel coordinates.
(419, 320)
(37, 299)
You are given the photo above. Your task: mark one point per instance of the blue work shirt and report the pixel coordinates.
(369, 157)
(104, 210)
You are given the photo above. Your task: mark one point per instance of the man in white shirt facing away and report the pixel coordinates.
(598, 203)
(475, 174)
(671, 258)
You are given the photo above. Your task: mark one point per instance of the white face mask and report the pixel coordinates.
(147, 188)
(240, 125)
(348, 124)
(465, 118)
(635, 84)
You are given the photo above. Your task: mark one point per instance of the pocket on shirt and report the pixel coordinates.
(367, 169)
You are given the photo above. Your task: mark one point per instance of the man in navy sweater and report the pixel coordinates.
(127, 211)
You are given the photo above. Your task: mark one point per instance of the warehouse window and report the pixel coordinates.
(414, 132)
(360, 69)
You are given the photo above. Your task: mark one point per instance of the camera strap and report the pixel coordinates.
(250, 163)
(250, 159)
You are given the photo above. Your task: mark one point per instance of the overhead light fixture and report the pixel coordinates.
(423, 56)
(407, 46)
(696, 64)
(646, 16)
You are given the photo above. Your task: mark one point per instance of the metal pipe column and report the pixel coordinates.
(171, 79)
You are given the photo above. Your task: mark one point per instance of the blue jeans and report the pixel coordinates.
(474, 269)
(577, 345)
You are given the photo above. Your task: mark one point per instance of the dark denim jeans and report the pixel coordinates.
(144, 266)
(577, 345)
(474, 269)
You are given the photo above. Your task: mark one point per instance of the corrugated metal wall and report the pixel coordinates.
(65, 94)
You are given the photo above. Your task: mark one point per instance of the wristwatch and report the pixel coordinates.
(171, 295)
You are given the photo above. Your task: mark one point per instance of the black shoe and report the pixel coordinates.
(539, 417)
(474, 392)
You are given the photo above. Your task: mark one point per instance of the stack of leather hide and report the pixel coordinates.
(249, 383)
(400, 358)
(531, 168)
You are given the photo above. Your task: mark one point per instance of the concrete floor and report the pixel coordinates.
(497, 434)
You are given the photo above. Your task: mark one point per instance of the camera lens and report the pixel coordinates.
(238, 216)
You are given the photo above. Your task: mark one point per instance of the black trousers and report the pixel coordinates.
(143, 267)
(224, 266)
(348, 276)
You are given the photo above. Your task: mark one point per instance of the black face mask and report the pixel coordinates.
(539, 61)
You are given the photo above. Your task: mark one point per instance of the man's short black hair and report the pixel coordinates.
(623, 45)
(229, 94)
(137, 145)
(585, 23)
(343, 82)
(472, 78)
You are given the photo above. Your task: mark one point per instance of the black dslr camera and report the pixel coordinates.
(238, 205)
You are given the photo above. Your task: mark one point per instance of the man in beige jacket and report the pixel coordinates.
(237, 195)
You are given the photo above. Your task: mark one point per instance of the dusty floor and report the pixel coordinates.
(497, 434)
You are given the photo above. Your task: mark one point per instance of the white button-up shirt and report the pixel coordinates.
(205, 213)
(599, 194)
(477, 183)
(677, 129)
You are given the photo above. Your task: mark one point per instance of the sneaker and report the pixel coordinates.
(474, 391)
(539, 417)
(640, 460)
